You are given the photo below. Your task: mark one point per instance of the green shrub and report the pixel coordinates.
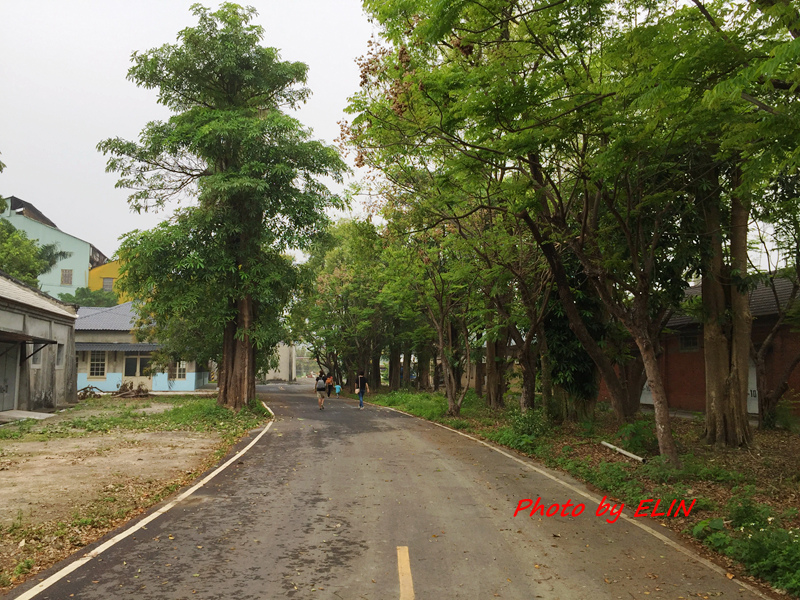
(707, 527)
(639, 437)
(532, 423)
(508, 437)
(456, 423)
(16, 430)
(744, 512)
(785, 415)
(773, 554)
(24, 567)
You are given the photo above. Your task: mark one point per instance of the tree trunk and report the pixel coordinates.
(437, 372)
(727, 353)
(768, 398)
(666, 443)
(424, 369)
(496, 368)
(636, 377)
(480, 369)
(617, 386)
(406, 375)
(528, 358)
(547, 381)
(374, 379)
(394, 368)
(237, 385)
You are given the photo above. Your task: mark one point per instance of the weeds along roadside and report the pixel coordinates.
(740, 513)
(26, 549)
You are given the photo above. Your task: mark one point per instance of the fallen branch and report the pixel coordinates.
(625, 452)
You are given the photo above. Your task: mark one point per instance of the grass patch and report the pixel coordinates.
(186, 413)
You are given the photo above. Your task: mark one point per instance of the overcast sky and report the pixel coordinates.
(62, 75)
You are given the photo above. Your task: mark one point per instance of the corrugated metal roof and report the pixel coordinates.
(18, 292)
(112, 347)
(113, 318)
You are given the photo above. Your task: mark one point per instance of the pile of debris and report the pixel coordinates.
(126, 390)
(89, 392)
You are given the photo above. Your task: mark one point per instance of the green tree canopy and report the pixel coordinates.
(19, 255)
(254, 173)
(83, 296)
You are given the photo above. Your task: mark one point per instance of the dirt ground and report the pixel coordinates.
(59, 494)
(45, 481)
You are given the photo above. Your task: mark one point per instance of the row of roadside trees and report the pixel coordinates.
(554, 174)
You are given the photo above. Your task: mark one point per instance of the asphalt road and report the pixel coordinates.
(377, 505)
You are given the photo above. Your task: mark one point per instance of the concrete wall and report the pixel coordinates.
(78, 262)
(43, 383)
(286, 370)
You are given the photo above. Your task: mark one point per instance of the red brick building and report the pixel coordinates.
(683, 365)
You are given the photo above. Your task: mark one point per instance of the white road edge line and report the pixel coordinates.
(404, 572)
(691, 554)
(34, 591)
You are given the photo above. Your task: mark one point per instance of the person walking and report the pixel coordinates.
(320, 387)
(329, 384)
(362, 387)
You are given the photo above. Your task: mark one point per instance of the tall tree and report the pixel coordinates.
(252, 168)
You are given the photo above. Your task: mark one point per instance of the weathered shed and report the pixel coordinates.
(37, 348)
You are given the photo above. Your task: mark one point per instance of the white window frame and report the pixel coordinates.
(92, 355)
(177, 370)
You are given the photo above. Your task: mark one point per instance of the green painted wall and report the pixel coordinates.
(78, 262)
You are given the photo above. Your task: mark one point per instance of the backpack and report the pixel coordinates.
(320, 384)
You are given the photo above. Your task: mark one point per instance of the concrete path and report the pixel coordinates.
(377, 505)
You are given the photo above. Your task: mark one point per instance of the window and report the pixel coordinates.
(108, 284)
(97, 364)
(36, 357)
(177, 370)
(689, 343)
(66, 276)
(135, 364)
(60, 356)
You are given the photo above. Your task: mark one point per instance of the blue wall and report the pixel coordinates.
(110, 384)
(161, 383)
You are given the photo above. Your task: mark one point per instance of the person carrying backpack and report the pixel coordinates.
(320, 387)
(361, 388)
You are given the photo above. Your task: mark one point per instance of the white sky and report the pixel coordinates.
(62, 74)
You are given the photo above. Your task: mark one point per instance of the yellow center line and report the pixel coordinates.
(404, 570)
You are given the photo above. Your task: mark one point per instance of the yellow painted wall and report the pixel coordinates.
(110, 269)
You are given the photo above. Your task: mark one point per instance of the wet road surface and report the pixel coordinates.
(377, 505)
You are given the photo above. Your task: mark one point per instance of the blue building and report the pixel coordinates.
(108, 355)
